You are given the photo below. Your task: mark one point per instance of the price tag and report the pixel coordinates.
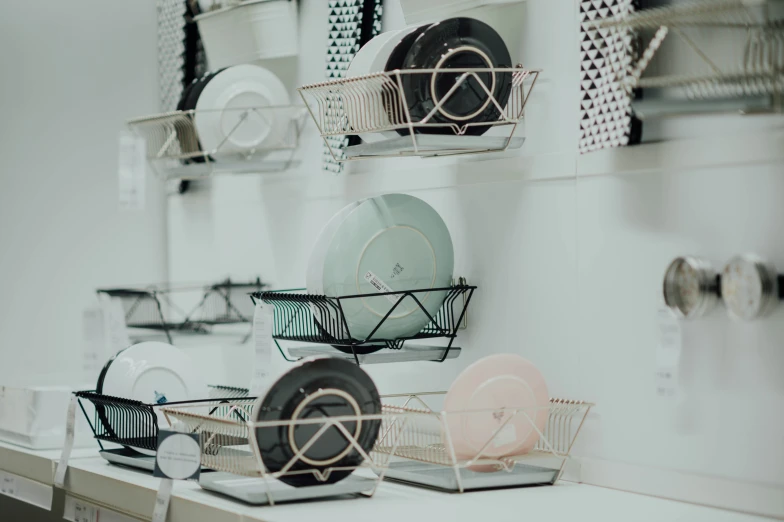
(115, 330)
(84, 513)
(65, 454)
(263, 317)
(132, 171)
(178, 455)
(94, 355)
(8, 485)
(668, 354)
(162, 500)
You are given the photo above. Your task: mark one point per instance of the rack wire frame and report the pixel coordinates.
(154, 308)
(420, 434)
(761, 72)
(308, 318)
(174, 149)
(377, 103)
(135, 424)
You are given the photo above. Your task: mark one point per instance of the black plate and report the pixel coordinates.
(484, 48)
(189, 98)
(396, 59)
(317, 381)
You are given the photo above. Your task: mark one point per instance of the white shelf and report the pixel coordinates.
(132, 494)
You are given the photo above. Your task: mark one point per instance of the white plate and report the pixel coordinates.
(154, 373)
(476, 401)
(224, 126)
(393, 242)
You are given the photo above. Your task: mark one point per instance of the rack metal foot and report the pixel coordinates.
(405, 354)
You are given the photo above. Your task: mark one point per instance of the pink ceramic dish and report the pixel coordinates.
(485, 395)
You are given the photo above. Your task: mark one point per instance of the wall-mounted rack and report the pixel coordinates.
(318, 319)
(377, 107)
(244, 140)
(134, 424)
(756, 86)
(156, 308)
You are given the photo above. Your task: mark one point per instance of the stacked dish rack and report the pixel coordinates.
(413, 445)
(317, 319)
(377, 103)
(134, 424)
(155, 307)
(173, 146)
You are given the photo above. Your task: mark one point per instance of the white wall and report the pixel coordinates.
(72, 73)
(568, 253)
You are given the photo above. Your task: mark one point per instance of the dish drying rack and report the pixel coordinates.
(377, 103)
(424, 452)
(412, 446)
(135, 424)
(155, 308)
(317, 319)
(173, 144)
(757, 86)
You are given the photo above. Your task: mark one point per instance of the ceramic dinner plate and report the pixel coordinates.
(457, 43)
(152, 373)
(223, 124)
(488, 389)
(389, 243)
(315, 388)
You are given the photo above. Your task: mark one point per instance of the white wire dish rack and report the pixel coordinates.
(755, 85)
(174, 146)
(377, 108)
(413, 446)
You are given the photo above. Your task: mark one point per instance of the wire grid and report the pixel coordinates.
(173, 142)
(426, 438)
(228, 438)
(377, 102)
(303, 317)
(171, 49)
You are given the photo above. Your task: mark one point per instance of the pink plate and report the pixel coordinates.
(485, 395)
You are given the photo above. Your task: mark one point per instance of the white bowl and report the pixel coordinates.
(394, 242)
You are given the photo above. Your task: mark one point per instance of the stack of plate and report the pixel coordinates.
(237, 110)
(455, 43)
(389, 243)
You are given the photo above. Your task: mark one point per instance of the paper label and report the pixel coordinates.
(162, 500)
(93, 332)
(263, 317)
(178, 455)
(381, 286)
(115, 329)
(65, 454)
(668, 354)
(84, 512)
(8, 485)
(132, 171)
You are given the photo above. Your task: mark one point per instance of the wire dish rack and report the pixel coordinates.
(134, 424)
(425, 453)
(413, 445)
(306, 318)
(174, 145)
(756, 85)
(156, 307)
(377, 108)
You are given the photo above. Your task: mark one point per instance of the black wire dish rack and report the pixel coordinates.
(133, 424)
(158, 308)
(319, 319)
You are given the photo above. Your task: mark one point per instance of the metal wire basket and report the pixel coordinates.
(308, 318)
(174, 146)
(157, 307)
(378, 103)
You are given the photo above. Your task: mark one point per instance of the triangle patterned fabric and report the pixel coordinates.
(606, 57)
(349, 29)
